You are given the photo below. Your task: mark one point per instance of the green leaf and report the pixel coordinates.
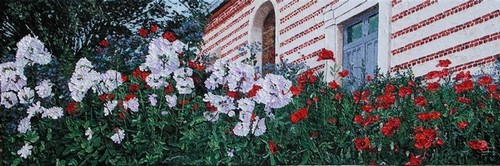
(16, 162)
(305, 158)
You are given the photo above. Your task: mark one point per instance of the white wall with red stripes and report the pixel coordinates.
(413, 34)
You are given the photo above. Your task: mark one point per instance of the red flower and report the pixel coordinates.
(124, 78)
(464, 100)
(307, 77)
(143, 32)
(412, 83)
(296, 90)
(420, 101)
(338, 96)
(140, 74)
(333, 85)
(434, 86)
(389, 88)
(371, 119)
(404, 91)
(103, 43)
(362, 143)
(358, 96)
(358, 119)
(325, 54)
(423, 117)
(169, 35)
(253, 91)
(422, 141)
(343, 73)
(299, 115)
(391, 125)
(452, 111)
(484, 80)
(71, 107)
(368, 78)
(479, 145)
(434, 115)
(133, 88)
(439, 142)
(332, 120)
(462, 124)
(169, 89)
(367, 108)
(462, 76)
(183, 102)
(272, 147)
(154, 28)
(195, 107)
(443, 63)
(466, 85)
(210, 107)
(385, 101)
(436, 74)
(106, 97)
(414, 160)
(121, 115)
(129, 96)
(233, 94)
(314, 135)
(492, 88)
(196, 66)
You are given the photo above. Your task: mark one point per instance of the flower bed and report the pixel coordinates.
(173, 109)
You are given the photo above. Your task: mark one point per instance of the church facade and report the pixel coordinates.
(363, 34)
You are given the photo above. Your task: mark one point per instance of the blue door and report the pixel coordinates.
(360, 48)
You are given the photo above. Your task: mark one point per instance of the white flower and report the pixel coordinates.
(109, 106)
(118, 136)
(211, 116)
(12, 77)
(30, 50)
(240, 77)
(25, 151)
(241, 129)
(26, 95)
(230, 153)
(54, 113)
(108, 82)
(184, 82)
(224, 104)
(132, 104)
(44, 89)
(171, 100)
(275, 92)
(24, 125)
(156, 81)
(259, 126)
(89, 133)
(219, 71)
(8, 99)
(152, 99)
(162, 58)
(83, 78)
(34, 109)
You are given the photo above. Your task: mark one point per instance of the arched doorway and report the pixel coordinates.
(263, 30)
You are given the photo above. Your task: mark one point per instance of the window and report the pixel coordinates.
(268, 43)
(360, 47)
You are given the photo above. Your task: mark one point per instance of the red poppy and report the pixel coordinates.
(343, 73)
(436, 74)
(452, 111)
(389, 88)
(422, 141)
(362, 143)
(358, 119)
(325, 54)
(368, 78)
(121, 115)
(439, 142)
(124, 78)
(332, 120)
(479, 145)
(299, 115)
(466, 85)
(196, 66)
(420, 101)
(71, 107)
(443, 63)
(338, 96)
(106, 97)
(183, 102)
(434, 115)
(462, 124)
(169, 35)
(143, 32)
(130, 96)
(140, 74)
(484, 80)
(233, 94)
(412, 83)
(391, 125)
(423, 116)
(464, 100)
(272, 147)
(154, 28)
(463, 76)
(103, 43)
(361, 96)
(367, 108)
(169, 89)
(492, 88)
(370, 119)
(333, 85)
(296, 90)
(133, 88)
(385, 101)
(307, 77)
(253, 91)
(414, 160)
(210, 107)
(404, 91)
(434, 86)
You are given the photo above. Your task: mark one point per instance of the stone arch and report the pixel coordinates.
(264, 13)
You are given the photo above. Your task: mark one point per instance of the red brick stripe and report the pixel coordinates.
(235, 39)
(244, 25)
(306, 18)
(290, 4)
(303, 33)
(305, 58)
(448, 51)
(303, 45)
(447, 32)
(227, 14)
(479, 62)
(233, 49)
(435, 18)
(395, 2)
(413, 9)
(300, 9)
(237, 20)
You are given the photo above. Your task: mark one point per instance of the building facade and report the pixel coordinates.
(363, 34)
